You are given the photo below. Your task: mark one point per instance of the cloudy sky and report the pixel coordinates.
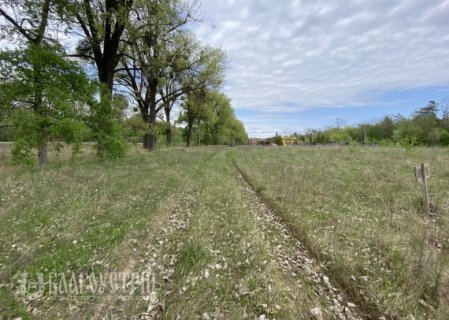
(297, 64)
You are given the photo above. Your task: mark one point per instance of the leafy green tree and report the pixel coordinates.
(321, 137)
(354, 133)
(223, 127)
(32, 78)
(426, 118)
(381, 130)
(195, 111)
(429, 111)
(44, 110)
(210, 118)
(338, 134)
(182, 67)
(408, 132)
(135, 126)
(103, 24)
(444, 104)
(444, 138)
(159, 51)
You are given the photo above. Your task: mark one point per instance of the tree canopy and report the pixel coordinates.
(144, 57)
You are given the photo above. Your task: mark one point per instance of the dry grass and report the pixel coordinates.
(81, 213)
(360, 212)
(184, 212)
(227, 269)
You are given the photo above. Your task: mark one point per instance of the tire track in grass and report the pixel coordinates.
(155, 259)
(228, 273)
(292, 258)
(124, 258)
(141, 254)
(171, 221)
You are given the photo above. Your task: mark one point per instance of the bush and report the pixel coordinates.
(278, 140)
(444, 138)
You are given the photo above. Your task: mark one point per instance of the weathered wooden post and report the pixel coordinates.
(422, 173)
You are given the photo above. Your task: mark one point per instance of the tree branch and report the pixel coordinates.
(82, 56)
(19, 28)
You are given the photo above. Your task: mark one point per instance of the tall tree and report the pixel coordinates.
(159, 53)
(206, 76)
(29, 21)
(224, 127)
(195, 111)
(103, 24)
(50, 109)
(172, 88)
(427, 119)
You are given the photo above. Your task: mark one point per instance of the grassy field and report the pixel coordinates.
(361, 212)
(231, 233)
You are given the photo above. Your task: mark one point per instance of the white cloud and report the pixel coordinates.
(308, 53)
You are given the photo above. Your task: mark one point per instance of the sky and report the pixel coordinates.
(298, 64)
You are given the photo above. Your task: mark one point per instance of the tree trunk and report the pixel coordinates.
(145, 141)
(189, 133)
(152, 135)
(144, 113)
(152, 141)
(149, 141)
(168, 132)
(189, 137)
(39, 109)
(150, 138)
(42, 154)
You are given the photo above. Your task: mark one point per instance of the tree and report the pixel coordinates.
(429, 111)
(172, 88)
(338, 134)
(230, 130)
(103, 24)
(354, 133)
(427, 119)
(195, 111)
(277, 140)
(408, 132)
(386, 128)
(44, 110)
(34, 68)
(221, 126)
(159, 51)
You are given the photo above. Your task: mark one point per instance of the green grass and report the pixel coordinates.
(246, 282)
(358, 210)
(67, 217)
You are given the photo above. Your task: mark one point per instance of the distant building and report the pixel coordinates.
(290, 140)
(259, 141)
(269, 141)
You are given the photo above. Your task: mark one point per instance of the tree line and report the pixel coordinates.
(427, 126)
(76, 65)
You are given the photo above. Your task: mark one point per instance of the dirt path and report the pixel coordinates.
(293, 267)
(162, 265)
(292, 258)
(151, 258)
(162, 252)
